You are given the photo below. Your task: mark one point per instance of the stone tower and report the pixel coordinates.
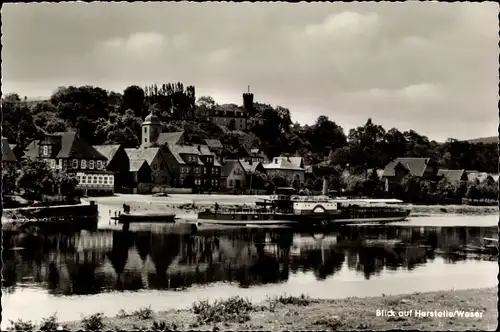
(248, 101)
(151, 129)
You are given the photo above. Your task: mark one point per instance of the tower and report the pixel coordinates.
(151, 129)
(248, 101)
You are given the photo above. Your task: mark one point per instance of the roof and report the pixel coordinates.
(172, 138)
(298, 161)
(108, 151)
(72, 146)
(479, 176)
(283, 163)
(380, 172)
(416, 166)
(7, 154)
(250, 167)
(228, 167)
(135, 165)
(147, 154)
(178, 150)
(151, 119)
(452, 175)
(214, 143)
(12, 146)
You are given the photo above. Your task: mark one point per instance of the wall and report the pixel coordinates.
(169, 190)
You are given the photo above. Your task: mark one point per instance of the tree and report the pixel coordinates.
(446, 189)
(35, 179)
(134, 99)
(232, 125)
(9, 176)
(279, 181)
(67, 183)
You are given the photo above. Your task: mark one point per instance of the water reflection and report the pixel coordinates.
(93, 262)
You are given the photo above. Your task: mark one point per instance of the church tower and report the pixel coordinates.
(151, 129)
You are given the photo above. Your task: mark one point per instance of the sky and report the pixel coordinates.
(431, 67)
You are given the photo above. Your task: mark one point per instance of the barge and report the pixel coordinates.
(144, 217)
(284, 208)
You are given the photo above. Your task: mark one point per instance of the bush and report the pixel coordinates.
(93, 322)
(234, 309)
(49, 324)
(303, 300)
(21, 325)
(143, 313)
(163, 326)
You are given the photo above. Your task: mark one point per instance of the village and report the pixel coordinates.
(169, 162)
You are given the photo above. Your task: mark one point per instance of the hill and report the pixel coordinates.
(484, 140)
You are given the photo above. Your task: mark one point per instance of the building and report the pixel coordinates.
(256, 156)
(212, 170)
(9, 159)
(290, 168)
(160, 174)
(231, 114)
(69, 153)
(233, 175)
(18, 151)
(453, 175)
(140, 172)
(117, 162)
(251, 169)
(417, 167)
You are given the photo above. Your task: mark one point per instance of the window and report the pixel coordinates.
(105, 180)
(99, 164)
(204, 170)
(53, 163)
(84, 179)
(153, 178)
(45, 150)
(145, 130)
(83, 164)
(91, 164)
(78, 178)
(100, 180)
(74, 163)
(59, 164)
(154, 166)
(196, 170)
(111, 179)
(230, 183)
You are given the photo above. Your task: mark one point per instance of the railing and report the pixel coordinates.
(249, 211)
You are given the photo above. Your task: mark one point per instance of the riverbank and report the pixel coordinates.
(303, 313)
(186, 206)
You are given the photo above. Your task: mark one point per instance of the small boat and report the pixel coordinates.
(490, 244)
(145, 217)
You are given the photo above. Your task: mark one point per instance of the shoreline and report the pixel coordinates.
(189, 205)
(303, 313)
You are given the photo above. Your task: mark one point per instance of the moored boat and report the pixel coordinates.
(285, 208)
(145, 217)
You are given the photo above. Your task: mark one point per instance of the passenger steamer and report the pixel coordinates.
(284, 208)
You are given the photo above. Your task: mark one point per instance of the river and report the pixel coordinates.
(108, 270)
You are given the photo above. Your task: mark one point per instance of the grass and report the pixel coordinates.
(287, 312)
(234, 309)
(93, 322)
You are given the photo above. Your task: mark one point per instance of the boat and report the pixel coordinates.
(286, 208)
(145, 217)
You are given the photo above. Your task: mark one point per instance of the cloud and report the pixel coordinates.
(345, 24)
(139, 42)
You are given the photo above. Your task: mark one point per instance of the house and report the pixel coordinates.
(418, 167)
(233, 175)
(185, 166)
(211, 171)
(215, 146)
(9, 159)
(252, 168)
(290, 168)
(453, 175)
(18, 151)
(256, 156)
(69, 153)
(140, 172)
(231, 114)
(160, 174)
(117, 162)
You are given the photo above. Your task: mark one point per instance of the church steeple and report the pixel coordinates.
(151, 128)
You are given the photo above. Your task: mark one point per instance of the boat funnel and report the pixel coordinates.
(325, 186)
